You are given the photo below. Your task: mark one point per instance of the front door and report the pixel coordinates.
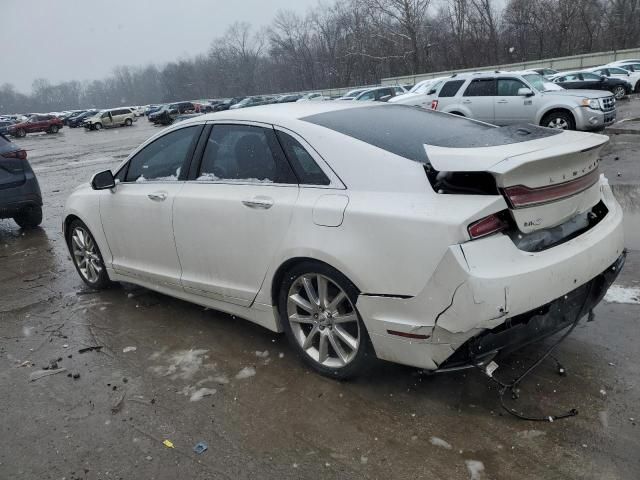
(231, 218)
(137, 214)
(511, 108)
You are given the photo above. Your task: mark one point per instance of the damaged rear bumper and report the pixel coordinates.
(537, 324)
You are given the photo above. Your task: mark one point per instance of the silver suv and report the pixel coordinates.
(506, 98)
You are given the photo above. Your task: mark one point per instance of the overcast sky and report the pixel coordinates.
(84, 39)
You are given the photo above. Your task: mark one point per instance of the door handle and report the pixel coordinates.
(158, 196)
(466, 101)
(259, 202)
(502, 101)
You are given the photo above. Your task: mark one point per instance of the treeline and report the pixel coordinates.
(355, 42)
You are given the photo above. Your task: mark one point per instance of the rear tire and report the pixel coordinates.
(559, 120)
(86, 256)
(328, 333)
(29, 218)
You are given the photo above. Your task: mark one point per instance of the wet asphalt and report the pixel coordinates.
(170, 370)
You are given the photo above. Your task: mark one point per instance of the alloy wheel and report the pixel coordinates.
(85, 255)
(618, 92)
(559, 123)
(323, 320)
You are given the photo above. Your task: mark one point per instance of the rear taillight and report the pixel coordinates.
(520, 196)
(487, 226)
(19, 154)
(434, 104)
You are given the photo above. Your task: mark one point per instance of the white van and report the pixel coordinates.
(113, 117)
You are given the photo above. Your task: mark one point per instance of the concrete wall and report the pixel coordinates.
(575, 62)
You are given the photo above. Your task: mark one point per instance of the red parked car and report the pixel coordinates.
(37, 123)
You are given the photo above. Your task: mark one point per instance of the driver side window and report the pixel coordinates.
(162, 160)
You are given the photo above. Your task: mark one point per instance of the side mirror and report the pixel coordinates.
(525, 92)
(431, 92)
(103, 181)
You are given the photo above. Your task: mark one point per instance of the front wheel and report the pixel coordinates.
(97, 126)
(29, 218)
(128, 122)
(558, 120)
(21, 132)
(53, 129)
(619, 92)
(86, 256)
(318, 314)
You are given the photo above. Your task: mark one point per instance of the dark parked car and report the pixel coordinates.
(294, 97)
(78, 120)
(545, 72)
(227, 103)
(169, 112)
(152, 109)
(36, 123)
(20, 196)
(591, 81)
(4, 126)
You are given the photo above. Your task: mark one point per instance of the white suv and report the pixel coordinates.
(508, 98)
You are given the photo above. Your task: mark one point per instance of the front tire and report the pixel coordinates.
(619, 92)
(86, 256)
(318, 314)
(53, 129)
(97, 126)
(558, 120)
(29, 218)
(128, 122)
(21, 133)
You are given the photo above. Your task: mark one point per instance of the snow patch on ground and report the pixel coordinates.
(438, 442)
(476, 468)
(129, 349)
(620, 294)
(246, 372)
(196, 394)
(183, 364)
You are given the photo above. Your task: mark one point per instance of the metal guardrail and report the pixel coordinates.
(574, 62)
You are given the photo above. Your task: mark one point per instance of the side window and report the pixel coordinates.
(508, 87)
(104, 115)
(162, 160)
(244, 153)
(450, 88)
(481, 87)
(590, 76)
(305, 167)
(367, 96)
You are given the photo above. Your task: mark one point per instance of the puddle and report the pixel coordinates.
(629, 198)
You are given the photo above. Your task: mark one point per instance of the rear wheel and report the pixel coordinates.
(619, 92)
(29, 218)
(86, 256)
(559, 120)
(128, 122)
(318, 314)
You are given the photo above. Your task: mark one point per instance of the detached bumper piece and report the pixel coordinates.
(537, 324)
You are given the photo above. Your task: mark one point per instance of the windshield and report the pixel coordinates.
(540, 83)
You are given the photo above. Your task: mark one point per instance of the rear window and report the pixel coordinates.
(450, 88)
(404, 130)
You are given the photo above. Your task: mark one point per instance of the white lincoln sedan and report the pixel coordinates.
(413, 236)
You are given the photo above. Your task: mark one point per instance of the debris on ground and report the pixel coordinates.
(76, 376)
(26, 363)
(96, 348)
(260, 354)
(201, 393)
(129, 349)
(117, 405)
(168, 444)
(38, 374)
(246, 372)
(200, 447)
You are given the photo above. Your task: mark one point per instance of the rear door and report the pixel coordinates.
(510, 107)
(231, 218)
(479, 99)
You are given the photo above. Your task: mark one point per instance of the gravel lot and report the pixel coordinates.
(262, 414)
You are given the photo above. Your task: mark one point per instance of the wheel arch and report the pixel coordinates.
(287, 265)
(554, 110)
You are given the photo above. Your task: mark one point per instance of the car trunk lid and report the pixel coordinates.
(545, 181)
